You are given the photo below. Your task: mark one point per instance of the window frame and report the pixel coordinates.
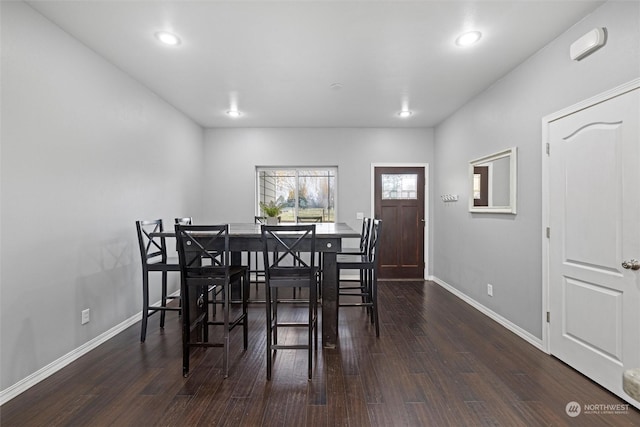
(296, 169)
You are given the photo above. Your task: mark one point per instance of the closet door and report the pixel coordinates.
(594, 218)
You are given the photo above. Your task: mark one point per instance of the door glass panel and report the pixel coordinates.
(399, 186)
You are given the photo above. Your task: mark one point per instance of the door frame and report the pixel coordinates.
(546, 122)
(427, 213)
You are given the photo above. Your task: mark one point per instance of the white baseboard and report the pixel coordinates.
(53, 367)
(531, 339)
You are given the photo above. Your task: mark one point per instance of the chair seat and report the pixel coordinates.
(351, 251)
(286, 276)
(172, 264)
(354, 261)
(215, 272)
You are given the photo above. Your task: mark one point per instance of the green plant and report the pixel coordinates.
(272, 209)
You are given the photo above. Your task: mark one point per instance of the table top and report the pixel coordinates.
(339, 229)
(249, 229)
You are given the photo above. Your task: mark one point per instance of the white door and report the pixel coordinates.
(594, 219)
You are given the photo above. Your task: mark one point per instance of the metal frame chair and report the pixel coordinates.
(153, 253)
(205, 268)
(284, 268)
(187, 220)
(367, 264)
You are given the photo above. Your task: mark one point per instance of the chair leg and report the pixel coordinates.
(274, 312)
(374, 302)
(145, 304)
(267, 298)
(255, 260)
(186, 335)
(313, 330)
(164, 298)
(245, 307)
(204, 326)
(227, 306)
(368, 295)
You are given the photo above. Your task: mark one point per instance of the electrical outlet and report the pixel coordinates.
(489, 289)
(359, 215)
(85, 316)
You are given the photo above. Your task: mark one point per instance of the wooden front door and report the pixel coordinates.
(399, 203)
(594, 219)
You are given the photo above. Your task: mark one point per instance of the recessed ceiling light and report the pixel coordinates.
(168, 38)
(234, 113)
(467, 39)
(405, 113)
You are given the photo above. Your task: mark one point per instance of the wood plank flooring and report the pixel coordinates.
(438, 362)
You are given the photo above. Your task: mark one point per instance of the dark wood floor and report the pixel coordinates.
(438, 362)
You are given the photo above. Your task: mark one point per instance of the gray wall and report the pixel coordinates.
(232, 155)
(472, 250)
(86, 150)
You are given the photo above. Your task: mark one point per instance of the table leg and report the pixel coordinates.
(236, 289)
(329, 300)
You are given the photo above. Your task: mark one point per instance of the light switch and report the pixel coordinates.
(359, 215)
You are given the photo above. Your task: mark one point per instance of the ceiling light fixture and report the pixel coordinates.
(467, 39)
(234, 113)
(405, 113)
(168, 38)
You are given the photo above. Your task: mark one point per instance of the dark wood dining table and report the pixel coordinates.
(246, 237)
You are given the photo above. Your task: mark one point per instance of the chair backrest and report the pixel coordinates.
(282, 249)
(374, 240)
(184, 221)
(364, 235)
(303, 219)
(153, 249)
(203, 249)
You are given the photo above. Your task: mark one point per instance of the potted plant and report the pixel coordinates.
(272, 210)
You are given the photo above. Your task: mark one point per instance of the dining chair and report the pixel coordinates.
(187, 220)
(367, 265)
(153, 253)
(303, 219)
(360, 250)
(285, 268)
(255, 271)
(364, 240)
(205, 266)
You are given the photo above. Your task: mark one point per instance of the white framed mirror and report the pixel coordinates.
(493, 182)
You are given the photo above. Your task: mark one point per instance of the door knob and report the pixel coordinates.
(632, 264)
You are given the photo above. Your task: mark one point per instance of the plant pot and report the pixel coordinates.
(272, 220)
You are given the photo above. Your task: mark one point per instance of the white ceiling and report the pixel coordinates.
(278, 59)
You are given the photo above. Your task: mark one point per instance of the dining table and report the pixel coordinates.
(247, 237)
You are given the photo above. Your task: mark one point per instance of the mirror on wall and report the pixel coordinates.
(493, 182)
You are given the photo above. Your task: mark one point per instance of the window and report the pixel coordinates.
(399, 186)
(302, 192)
